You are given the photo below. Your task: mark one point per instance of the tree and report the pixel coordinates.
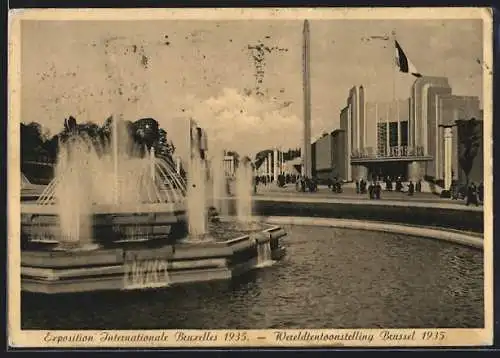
(163, 145)
(146, 132)
(51, 146)
(469, 139)
(32, 140)
(261, 156)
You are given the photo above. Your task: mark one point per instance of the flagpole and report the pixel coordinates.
(394, 74)
(393, 40)
(388, 130)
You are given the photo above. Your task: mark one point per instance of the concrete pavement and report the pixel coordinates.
(349, 196)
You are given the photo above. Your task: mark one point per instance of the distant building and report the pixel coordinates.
(329, 153)
(230, 164)
(339, 154)
(345, 125)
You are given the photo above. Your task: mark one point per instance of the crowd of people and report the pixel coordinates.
(472, 193)
(304, 184)
(282, 179)
(374, 188)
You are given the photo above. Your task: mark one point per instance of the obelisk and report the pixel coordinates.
(306, 144)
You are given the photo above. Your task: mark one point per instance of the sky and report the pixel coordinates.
(171, 69)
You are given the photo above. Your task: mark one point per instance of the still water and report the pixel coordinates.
(330, 278)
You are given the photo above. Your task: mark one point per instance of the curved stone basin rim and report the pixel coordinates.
(461, 238)
(109, 209)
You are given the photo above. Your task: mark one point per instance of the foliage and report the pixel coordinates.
(145, 132)
(32, 143)
(469, 137)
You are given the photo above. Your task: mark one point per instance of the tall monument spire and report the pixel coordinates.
(306, 144)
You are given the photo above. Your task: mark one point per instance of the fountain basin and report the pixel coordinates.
(142, 266)
(111, 226)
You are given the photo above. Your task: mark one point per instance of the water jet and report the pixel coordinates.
(117, 217)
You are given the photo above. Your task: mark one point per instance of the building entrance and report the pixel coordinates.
(382, 170)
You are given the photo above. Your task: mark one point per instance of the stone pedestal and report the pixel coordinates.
(414, 172)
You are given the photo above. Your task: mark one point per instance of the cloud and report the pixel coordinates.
(244, 123)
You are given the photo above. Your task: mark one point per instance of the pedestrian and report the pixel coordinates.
(411, 188)
(472, 195)
(371, 189)
(378, 190)
(418, 186)
(454, 190)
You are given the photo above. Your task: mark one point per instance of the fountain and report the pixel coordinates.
(116, 216)
(105, 194)
(196, 194)
(219, 183)
(244, 180)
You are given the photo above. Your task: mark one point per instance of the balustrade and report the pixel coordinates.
(393, 152)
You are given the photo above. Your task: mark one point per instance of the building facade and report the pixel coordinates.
(274, 164)
(345, 125)
(404, 137)
(450, 109)
(329, 156)
(339, 154)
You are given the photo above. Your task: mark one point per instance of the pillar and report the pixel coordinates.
(306, 144)
(388, 131)
(281, 162)
(399, 127)
(275, 165)
(448, 140)
(269, 164)
(414, 172)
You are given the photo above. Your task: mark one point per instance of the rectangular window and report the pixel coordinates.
(381, 139)
(403, 133)
(393, 134)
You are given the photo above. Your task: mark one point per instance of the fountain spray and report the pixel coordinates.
(114, 139)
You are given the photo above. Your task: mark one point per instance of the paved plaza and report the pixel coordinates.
(349, 195)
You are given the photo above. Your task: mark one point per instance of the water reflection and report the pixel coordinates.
(329, 278)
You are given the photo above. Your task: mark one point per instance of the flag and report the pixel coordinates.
(403, 62)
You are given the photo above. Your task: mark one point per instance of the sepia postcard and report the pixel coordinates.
(250, 178)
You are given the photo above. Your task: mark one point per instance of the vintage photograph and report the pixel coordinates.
(180, 172)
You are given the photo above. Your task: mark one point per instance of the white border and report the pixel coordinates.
(451, 337)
